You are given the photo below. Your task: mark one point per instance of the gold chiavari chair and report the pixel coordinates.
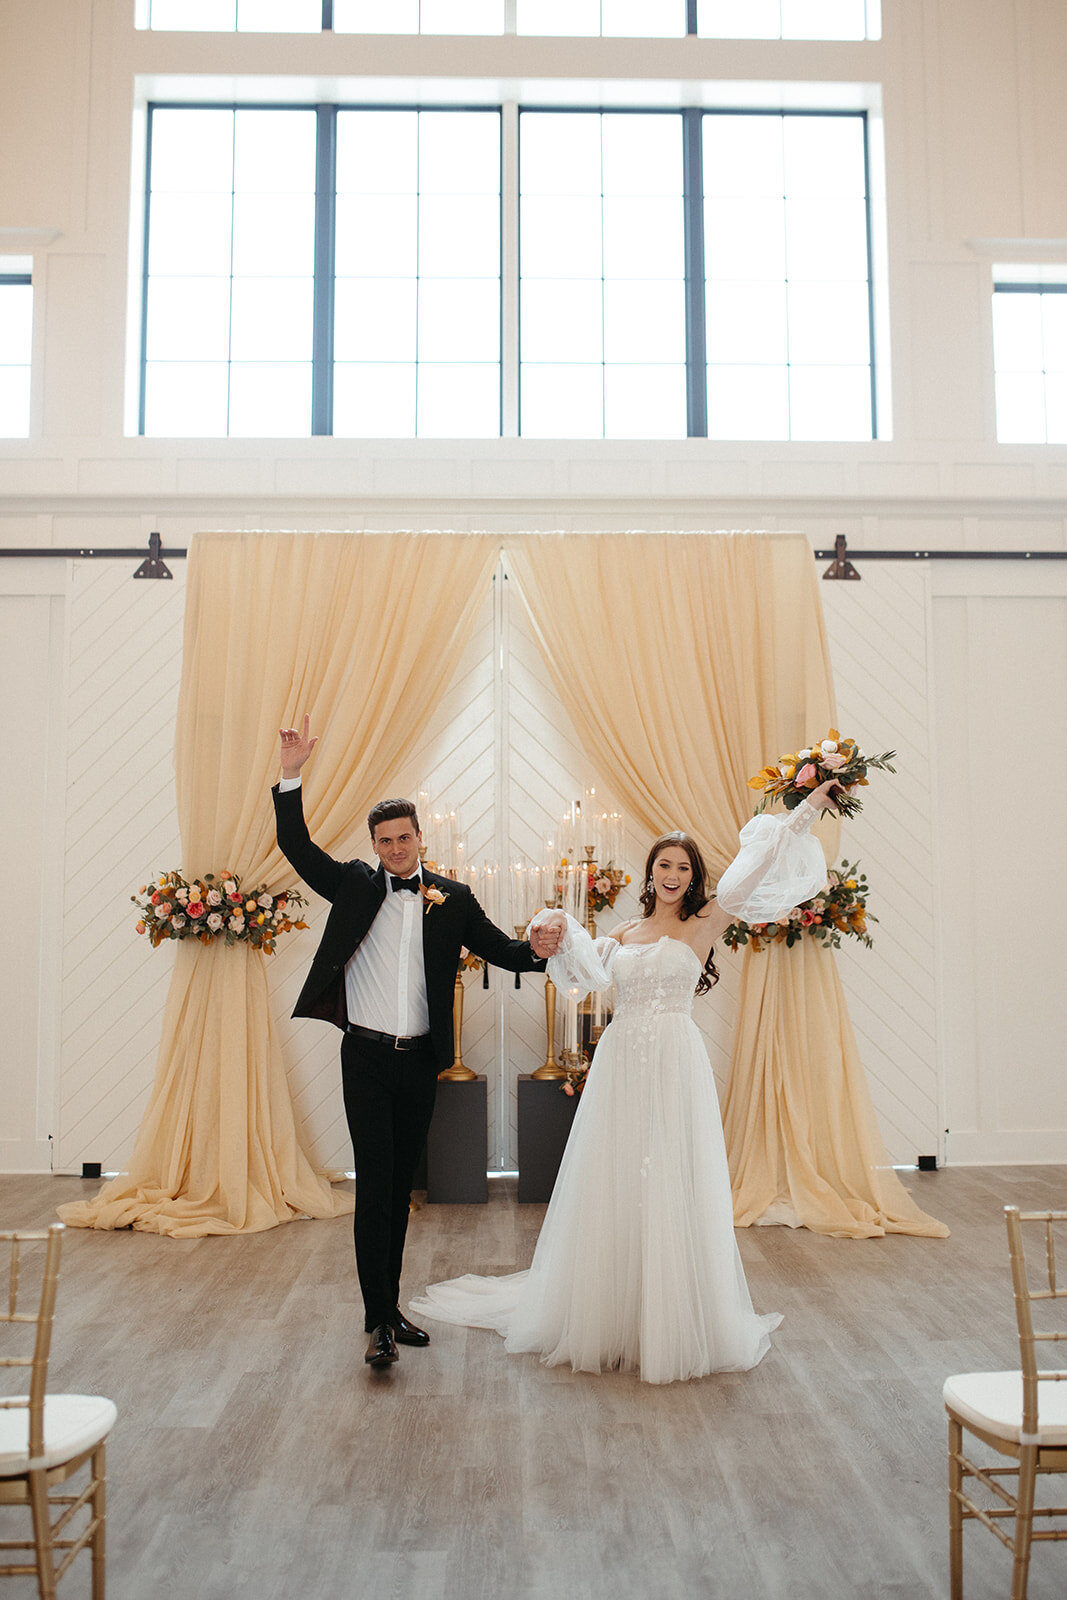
(45, 1439)
(1021, 1415)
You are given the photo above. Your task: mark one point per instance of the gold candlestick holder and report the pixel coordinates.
(458, 1072)
(550, 1068)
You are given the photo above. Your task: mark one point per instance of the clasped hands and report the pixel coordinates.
(546, 938)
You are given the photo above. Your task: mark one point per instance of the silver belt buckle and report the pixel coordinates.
(397, 1044)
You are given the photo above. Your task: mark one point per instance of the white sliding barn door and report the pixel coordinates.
(1002, 738)
(123, 670)
(880, 646)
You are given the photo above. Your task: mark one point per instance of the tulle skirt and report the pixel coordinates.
(636, 1267)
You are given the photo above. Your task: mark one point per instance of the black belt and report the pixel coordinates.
(403, 1041)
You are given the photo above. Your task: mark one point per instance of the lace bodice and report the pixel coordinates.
(654, 978)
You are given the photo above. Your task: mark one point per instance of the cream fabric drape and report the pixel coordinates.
(363, 631)
(801, 1133)
(688, 661)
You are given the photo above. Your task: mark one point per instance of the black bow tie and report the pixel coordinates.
(406, 883)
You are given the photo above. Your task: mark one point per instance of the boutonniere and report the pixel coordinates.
(432, 896)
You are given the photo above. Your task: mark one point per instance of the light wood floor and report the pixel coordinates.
(256, 1456)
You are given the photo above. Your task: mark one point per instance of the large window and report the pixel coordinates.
(16, 319)
(602, 262)
(417, 285)
(340, 270)
(1030, 355)
(229, 307)
(788, 293)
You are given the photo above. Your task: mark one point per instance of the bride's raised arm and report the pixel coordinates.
(581, 963)
(778, 866)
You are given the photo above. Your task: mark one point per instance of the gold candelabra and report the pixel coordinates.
(550, 1067)
(458, 1072)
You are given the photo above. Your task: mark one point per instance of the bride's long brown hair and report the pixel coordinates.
(695, 898)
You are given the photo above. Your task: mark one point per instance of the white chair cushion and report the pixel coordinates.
(72, 1423)
(994, 1401)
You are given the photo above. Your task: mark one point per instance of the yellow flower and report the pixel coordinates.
(850, 883)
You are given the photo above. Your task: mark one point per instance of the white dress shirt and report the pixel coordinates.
(385, 981)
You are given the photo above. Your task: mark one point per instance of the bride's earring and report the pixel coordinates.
(650, 887)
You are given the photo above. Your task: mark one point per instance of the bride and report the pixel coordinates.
(636, 1266)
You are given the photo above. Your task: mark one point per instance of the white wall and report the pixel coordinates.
(966, 96)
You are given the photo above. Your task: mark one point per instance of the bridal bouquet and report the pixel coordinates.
(797, 774)
(840, 909)
(214, 908)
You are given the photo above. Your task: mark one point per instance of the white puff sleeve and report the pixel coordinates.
(581, 964)
(778, 866)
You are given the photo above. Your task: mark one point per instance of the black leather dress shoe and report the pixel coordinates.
(405, 1332)
(381, 1351)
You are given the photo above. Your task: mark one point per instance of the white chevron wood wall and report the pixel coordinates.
(503, 754)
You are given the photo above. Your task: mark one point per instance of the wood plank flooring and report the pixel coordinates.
(257, 1458)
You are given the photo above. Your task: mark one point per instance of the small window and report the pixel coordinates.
(419, 16)
(1030, 354)
(229, 16)
(619, 19)
(789, 19)
(16, 332)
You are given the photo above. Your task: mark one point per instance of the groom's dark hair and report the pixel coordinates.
(389, 810)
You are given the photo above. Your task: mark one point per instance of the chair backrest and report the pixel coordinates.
(41, 1315)
(1024, 1299)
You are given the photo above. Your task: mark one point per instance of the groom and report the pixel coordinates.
(385, 973)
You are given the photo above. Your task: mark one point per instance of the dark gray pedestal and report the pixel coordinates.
(545, 1117)
(457, 1149)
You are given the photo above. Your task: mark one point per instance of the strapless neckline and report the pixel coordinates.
(664, 938)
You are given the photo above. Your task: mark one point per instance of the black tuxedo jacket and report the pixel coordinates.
(356, 892)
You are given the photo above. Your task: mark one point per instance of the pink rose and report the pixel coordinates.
(195, 908)
(807, 777)
(807, 918)
(834, 761)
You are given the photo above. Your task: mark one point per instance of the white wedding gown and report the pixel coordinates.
(636, 1266)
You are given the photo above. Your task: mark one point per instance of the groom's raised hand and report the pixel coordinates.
(296, 747)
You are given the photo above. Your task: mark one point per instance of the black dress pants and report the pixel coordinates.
(389, 1098)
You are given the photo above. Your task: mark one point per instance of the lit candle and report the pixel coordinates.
(570, 1022)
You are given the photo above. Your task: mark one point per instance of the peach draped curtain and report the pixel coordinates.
(363, 631)
(688, 661)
